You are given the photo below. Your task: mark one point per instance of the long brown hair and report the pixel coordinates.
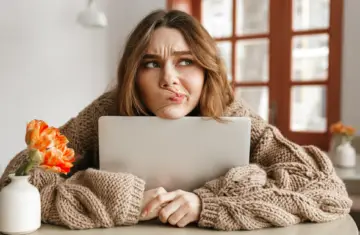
(216, 94)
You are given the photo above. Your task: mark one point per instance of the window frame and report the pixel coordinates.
(280, 37)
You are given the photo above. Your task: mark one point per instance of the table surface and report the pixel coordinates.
(344, 226)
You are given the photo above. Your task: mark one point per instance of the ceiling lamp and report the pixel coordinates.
(91, 17)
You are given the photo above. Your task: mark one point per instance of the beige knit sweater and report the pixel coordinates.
(286, 184)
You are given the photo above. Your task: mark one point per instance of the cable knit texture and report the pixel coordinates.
(285, 183)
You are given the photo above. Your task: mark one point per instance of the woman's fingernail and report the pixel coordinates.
(144, 213)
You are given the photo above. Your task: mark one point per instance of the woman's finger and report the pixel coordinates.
(169, 210)
(158, 201)
(185, 220)
(179, 214)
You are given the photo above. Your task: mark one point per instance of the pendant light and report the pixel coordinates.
(92, 17)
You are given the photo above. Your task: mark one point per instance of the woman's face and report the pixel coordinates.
(169, 80)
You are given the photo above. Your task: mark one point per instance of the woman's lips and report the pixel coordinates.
(177, 98)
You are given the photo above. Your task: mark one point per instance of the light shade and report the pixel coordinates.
(92, 17)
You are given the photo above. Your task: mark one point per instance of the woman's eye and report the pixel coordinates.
(152, 64)
(185, 62)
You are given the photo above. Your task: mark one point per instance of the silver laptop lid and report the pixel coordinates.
(174, 154)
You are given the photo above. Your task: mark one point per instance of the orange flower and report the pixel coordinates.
(56, 156)
(340, 128)
(336, 128)
(55, 160)
(60, 140)
(68, 153)
(350, 130)
(39, 135)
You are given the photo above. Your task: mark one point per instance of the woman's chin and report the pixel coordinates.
(172, 116)
(172, 113)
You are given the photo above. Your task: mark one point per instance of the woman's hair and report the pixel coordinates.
(216, 94)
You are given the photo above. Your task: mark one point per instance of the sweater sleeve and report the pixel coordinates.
(284, 184)
(89, 198)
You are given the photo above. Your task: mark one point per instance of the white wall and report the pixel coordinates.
(350, 108)
(124, 16)
(51, 67)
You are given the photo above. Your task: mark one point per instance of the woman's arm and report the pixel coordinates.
(285, 184)
(89, 198)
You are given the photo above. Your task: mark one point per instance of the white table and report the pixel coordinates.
(344, 226)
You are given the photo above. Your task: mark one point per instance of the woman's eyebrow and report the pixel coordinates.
(175, 53)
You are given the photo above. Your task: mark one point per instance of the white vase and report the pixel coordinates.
(345, 155)
(20, 207)
(335, 141)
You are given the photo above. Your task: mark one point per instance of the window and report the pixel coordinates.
(281, 59)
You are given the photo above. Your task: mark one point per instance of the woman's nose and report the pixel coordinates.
(169, 77)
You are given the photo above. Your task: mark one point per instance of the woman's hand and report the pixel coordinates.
(177, 208)
(150, 195)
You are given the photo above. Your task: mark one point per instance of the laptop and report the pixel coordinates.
(173, 154)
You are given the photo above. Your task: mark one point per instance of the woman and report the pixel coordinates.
(171, 68)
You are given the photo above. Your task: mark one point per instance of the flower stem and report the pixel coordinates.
(25, 168)
(28, 168)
